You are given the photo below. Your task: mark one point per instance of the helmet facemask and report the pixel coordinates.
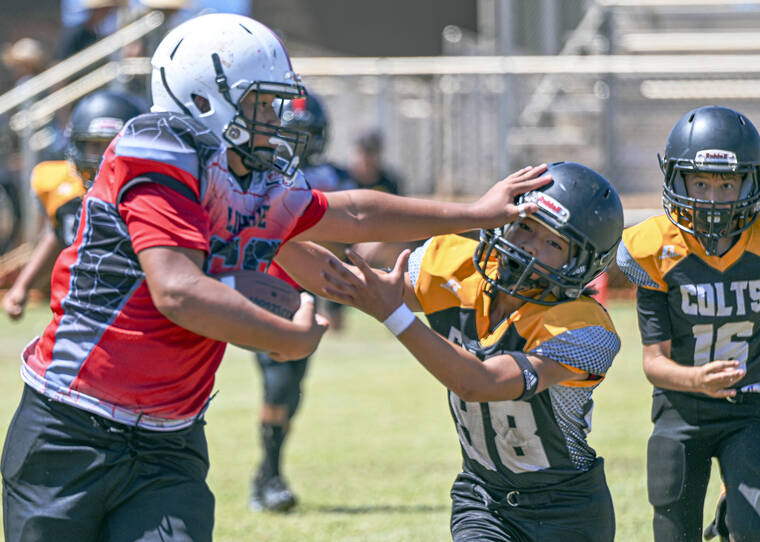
(86, 153)
(285, 145)
(710, 220)
(307, 114)
(521, 275)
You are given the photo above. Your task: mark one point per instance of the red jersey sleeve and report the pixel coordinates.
(276, 271)
(313, 214)
(156, 215)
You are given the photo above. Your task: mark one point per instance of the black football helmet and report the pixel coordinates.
(95, 121)
(582, 207)
(711, 139)
(308, 114)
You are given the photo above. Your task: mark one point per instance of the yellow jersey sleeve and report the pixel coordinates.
(56, 183)
(577, 334)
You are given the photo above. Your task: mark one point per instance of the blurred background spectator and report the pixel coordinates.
(367, 167)
(90, 30)
(25, 58)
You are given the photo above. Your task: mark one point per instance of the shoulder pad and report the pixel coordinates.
(649, 250)
(581, 312)
(298, 180)
(171, 138)
(578, 334)
(447, 276)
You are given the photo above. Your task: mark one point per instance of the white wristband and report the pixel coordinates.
(400, 319)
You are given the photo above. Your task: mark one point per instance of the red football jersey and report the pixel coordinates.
(163, 182)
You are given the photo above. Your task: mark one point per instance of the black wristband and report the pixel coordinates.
(529, 374)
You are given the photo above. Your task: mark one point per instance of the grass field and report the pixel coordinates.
(374, 451)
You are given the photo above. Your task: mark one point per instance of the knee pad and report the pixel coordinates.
(282, 384)
(666, 464)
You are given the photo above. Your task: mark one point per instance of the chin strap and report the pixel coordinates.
(221, 79)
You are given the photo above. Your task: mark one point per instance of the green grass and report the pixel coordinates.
(373, 451)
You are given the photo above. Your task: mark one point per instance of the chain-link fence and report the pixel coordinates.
(455, 134)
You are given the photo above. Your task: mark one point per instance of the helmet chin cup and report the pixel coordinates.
(280, 143)
(259, 159)
(267, 158)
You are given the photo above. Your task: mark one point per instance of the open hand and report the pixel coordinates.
(376, 292)
(497, 206)
(14, 302)
(716, 378)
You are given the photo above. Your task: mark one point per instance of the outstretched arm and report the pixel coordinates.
(318, 270)
(498, 378)
(369, 215)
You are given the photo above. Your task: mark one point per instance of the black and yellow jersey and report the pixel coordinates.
(516, 444)
(708, 306)
(59, 189)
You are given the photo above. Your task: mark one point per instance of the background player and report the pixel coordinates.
(696, 268)
(117, 385)
(282, 380)
(520, 348)
(60, 185)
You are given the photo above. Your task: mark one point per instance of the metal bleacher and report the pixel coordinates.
(32, 104)
(687, 53)
(454, 124)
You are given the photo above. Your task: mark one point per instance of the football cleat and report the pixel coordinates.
(272, 495)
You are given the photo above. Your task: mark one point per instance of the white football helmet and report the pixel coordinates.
(207, 65)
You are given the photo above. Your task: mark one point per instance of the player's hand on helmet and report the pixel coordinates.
(310, 326)
(14, 302)
(374, 291)
(497, 206)
(716, 378)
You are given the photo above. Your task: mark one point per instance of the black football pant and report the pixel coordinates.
(688, 432)
(579, 510)
(75, 476)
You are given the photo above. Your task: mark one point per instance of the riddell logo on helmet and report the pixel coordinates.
(549, 205)
(101, 125)
(715, 157)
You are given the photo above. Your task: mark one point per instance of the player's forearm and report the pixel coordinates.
(209, 308)
(305, 262)
(459, 370)
(665, 373)
(377, 216)
(43, 256)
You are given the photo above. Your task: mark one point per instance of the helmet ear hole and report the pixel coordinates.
(201, 103)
